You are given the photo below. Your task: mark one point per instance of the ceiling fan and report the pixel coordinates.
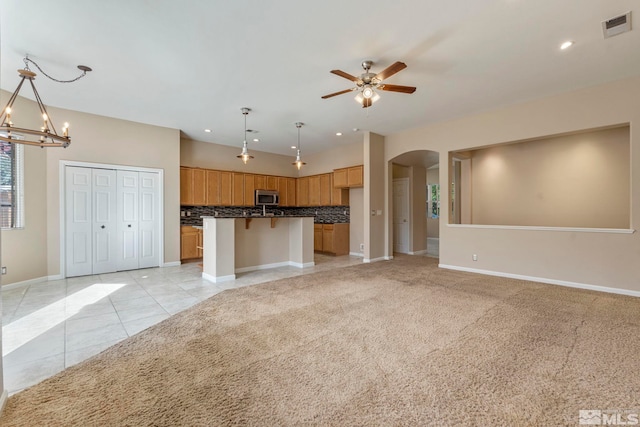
(368, 82)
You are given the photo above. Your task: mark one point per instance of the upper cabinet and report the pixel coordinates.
(206, 187)
(348, 177)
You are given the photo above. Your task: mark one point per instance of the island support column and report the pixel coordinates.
(218, 258)
(301, 242)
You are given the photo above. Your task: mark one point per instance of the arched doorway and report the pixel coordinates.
(415, 205)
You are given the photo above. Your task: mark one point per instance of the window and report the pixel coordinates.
(11, 185)
(433, 201)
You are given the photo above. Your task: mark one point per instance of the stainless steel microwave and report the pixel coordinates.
(267, 198)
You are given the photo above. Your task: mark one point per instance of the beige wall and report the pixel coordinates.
(567, 181)
(35, 251)
(356, 219)
(335, 158)
(216, 156)
(604, 259)
(375, 186)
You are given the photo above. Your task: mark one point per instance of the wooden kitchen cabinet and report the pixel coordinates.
(186, 187)
(325, 189)
(213, 188)
(237, 193)
(226, 188)
(260, 182)
(317, 237)
(199, 184)
(350, 177)
(272, 182)
(200, 243)
(249, 189)
(302, 191)
(314, 190)
(331, 238)
(189, 242)
(291, 192)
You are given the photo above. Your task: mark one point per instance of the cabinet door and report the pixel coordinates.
(272, 183)
(340, 239)
(282, 189)
(317, 237)
(189, 245)
(291, 192)
(314, 190)
(237, 195)
(199, 187)
(260, 182)
(302, 191)
(213, 188)
(340, 178)
(355, 176)
(327, 238)
(249, 189)
(199, 246)
(186, 186)
(340, 196)
(226, 188)
(325, 189)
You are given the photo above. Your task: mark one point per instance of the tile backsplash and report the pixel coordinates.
(190, 215)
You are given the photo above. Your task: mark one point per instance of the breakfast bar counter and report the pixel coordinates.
(237, 244)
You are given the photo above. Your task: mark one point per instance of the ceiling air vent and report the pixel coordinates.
(618, 25)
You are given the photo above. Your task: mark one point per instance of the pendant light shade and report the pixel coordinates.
(298, 163)
(244, 155)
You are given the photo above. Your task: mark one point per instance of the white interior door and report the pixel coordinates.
(105, 234)
(78, 221)
(401, 215)
(149, 220)
(128, 217)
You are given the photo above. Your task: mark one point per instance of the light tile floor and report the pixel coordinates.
(52, 325)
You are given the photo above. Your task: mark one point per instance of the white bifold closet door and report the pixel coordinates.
(112, 220)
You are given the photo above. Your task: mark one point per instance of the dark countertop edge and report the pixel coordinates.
(255, 216)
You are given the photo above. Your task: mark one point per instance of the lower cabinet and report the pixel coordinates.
(190, 242)
(331, 238)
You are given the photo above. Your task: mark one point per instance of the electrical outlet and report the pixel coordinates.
(4, 270)
(361, 247)
(475, 257)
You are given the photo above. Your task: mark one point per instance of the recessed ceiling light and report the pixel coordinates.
(566, 45)
(293, 147)
(338, 133)
(207, 130)
(356, 129)
(256, 140)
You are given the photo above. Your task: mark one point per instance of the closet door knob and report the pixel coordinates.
(102, 226)
(129, 225)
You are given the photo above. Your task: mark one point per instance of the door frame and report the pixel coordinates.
(62, 194)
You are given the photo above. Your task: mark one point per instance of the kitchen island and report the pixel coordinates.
(243, 243)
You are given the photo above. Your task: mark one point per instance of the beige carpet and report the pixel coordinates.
(390, 343)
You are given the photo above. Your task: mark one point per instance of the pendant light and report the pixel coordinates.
(47, 136)
(298, 163)
(244, 155)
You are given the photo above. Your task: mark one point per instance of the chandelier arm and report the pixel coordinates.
(12, 99)
(43, 109)
(26, 60)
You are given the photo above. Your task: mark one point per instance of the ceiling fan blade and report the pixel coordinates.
(398, 88)
(345, 75)
(337, 93)
(390, 70)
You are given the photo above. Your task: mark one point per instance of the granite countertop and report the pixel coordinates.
(257, 216)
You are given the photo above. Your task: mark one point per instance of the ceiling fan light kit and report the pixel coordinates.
(368, 82)
(47, 136)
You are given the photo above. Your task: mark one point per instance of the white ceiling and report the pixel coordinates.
(192, 64)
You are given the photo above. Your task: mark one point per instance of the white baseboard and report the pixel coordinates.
(303, 265)
(3, 400)
(218, 279)
(358, 254)
(421, 252)
(262, 267)
(172, 264)
(16, 285)
(382, 258)
(544, 280)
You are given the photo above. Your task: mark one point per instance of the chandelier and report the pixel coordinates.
(298, 163)
(47, 136)
(244, 155)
